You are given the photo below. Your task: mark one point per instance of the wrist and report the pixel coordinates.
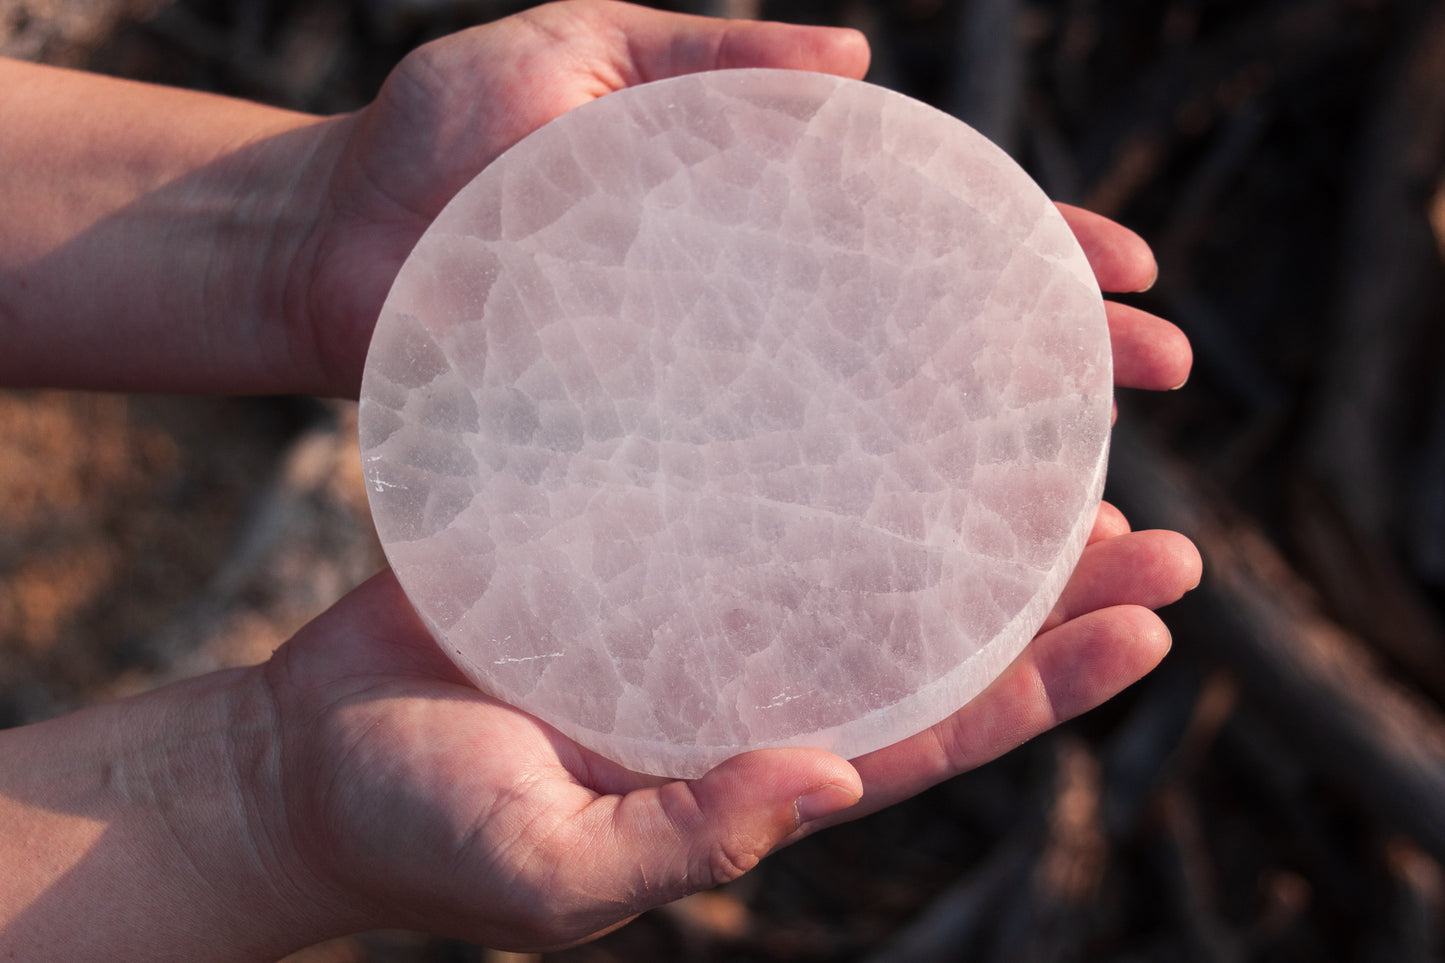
(285, 226)
(337, 269)
(321, 293)
(154, 828)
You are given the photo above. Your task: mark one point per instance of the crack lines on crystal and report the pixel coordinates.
(742, 438)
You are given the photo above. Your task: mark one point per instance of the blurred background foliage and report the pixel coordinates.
(1276, 791)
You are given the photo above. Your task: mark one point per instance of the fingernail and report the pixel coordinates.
(1152, 281)
(821, 802)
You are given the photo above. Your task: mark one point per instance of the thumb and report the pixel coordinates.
(682, 837)
(662, 44)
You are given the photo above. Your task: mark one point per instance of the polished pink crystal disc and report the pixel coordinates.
(743, 409)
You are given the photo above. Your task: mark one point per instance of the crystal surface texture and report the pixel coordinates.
(742, 409)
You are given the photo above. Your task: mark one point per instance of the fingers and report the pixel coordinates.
(659, 44)
(1149, 352)
(663, 843)
(1151, 569)
(1101, 638)
(829, 50)
(1120, 258)
(1108, 523)
(1063, 673)
(1074, 668)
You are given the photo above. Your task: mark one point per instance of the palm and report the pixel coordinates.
(413, 781)
(453, 106)
(434, 126)
(459, 814)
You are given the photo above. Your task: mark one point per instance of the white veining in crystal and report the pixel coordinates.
(742, 409)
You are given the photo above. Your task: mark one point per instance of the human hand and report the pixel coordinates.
(413, 800)
(454, 105)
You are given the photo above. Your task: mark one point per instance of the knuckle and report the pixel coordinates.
(729, 858)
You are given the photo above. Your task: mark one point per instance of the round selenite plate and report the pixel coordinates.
(742, 409)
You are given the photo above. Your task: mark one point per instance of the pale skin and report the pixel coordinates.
(159, 240)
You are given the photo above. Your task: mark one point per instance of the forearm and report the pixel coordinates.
(148, 236)
(147, 829)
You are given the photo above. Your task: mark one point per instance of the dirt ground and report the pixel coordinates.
(1276, 791)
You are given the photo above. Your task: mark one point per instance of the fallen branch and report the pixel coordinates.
(1320, 685)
